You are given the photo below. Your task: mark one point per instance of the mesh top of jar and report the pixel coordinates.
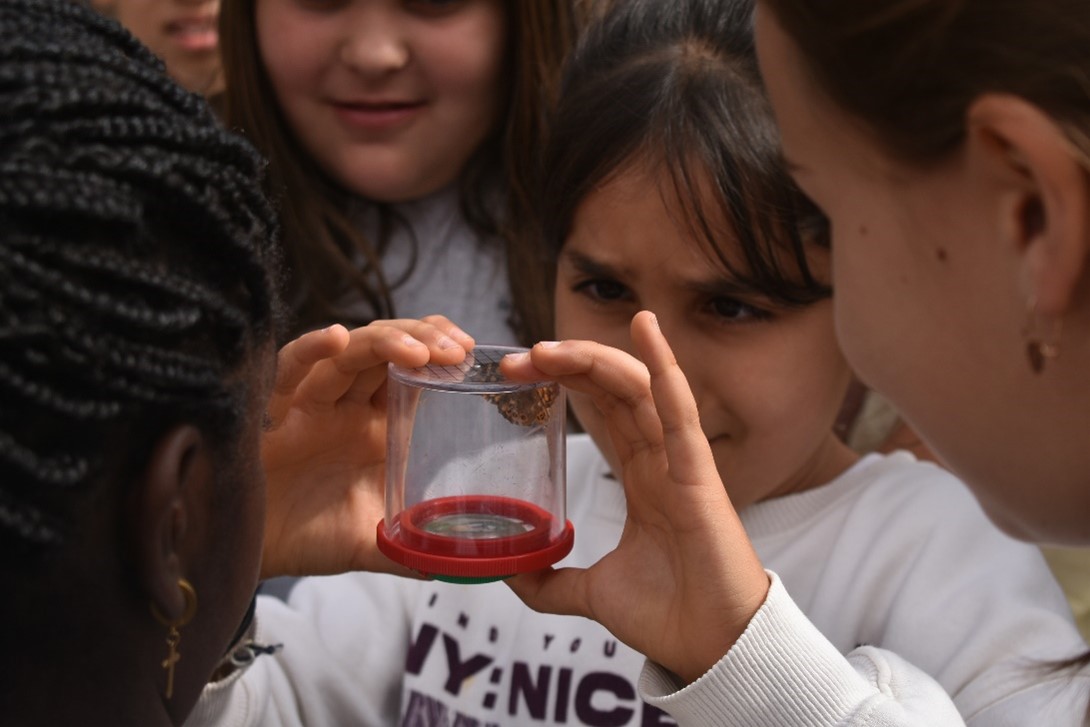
(479, 372)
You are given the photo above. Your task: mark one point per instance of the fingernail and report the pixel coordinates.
(459, 332)
(517, 357)
(446, 342)
(548, 344)
(410, 341)
(655, 320)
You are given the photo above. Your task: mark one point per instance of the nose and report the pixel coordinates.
(375, 44)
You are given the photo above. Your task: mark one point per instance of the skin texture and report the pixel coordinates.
(683, 562)
(937, 271)
(327, 430)
(730, 403)
(390, 97)
(769, 418)
(182, 33)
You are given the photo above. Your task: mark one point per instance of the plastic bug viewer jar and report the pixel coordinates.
(475, 485)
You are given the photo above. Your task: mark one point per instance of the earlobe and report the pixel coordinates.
(1043, 195)
(160, 511)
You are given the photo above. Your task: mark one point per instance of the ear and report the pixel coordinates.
(1044, 194)
(162, 506)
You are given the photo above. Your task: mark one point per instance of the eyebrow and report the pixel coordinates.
(588, 266)
(720, 286)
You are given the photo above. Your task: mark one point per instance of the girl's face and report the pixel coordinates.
(181, 32)
(929, 304)
(768, 381)
(390, 97)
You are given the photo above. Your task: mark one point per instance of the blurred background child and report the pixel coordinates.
(404, 140)
(183, 33)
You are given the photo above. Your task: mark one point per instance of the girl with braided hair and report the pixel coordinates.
(138, 400)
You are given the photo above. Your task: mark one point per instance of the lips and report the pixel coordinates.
(379, 107)
(195, 34)
(378, 115)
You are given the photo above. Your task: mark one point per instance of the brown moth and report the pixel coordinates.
(526, 408)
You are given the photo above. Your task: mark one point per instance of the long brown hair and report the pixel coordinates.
(323, 246)
(909, 69)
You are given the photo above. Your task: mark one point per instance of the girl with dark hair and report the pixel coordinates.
(404, 139)
(665, 191)
(138, 314)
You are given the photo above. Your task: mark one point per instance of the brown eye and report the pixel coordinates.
(734, 310)
(602, 290)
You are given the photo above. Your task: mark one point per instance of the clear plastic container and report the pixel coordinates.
(475, 471)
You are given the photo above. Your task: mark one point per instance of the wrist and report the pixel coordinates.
(720, 639)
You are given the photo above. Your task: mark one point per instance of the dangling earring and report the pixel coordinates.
(174, 635)
(1042, 335)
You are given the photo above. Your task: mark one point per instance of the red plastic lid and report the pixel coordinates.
(433, 552)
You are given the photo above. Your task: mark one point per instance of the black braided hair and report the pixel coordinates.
(137, 263)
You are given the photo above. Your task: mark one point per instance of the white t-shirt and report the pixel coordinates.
(893, 554)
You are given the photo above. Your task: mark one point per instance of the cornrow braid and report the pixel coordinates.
(138, 270)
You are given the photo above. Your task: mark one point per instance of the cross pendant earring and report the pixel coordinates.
(173, 637)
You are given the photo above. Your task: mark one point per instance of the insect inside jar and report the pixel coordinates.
(525, 408)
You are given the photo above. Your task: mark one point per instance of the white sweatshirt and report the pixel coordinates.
(447, 268)
(893, 554)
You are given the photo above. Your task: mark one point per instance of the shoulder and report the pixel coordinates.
(930, 503)
(904, 481)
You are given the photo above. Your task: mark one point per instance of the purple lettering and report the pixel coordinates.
(536, 694)
(461, 670)
(419, 648)
(423, 711)
(603, 682)
(563, 692)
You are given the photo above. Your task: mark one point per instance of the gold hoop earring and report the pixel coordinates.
(1042, 335)
(174, 634)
